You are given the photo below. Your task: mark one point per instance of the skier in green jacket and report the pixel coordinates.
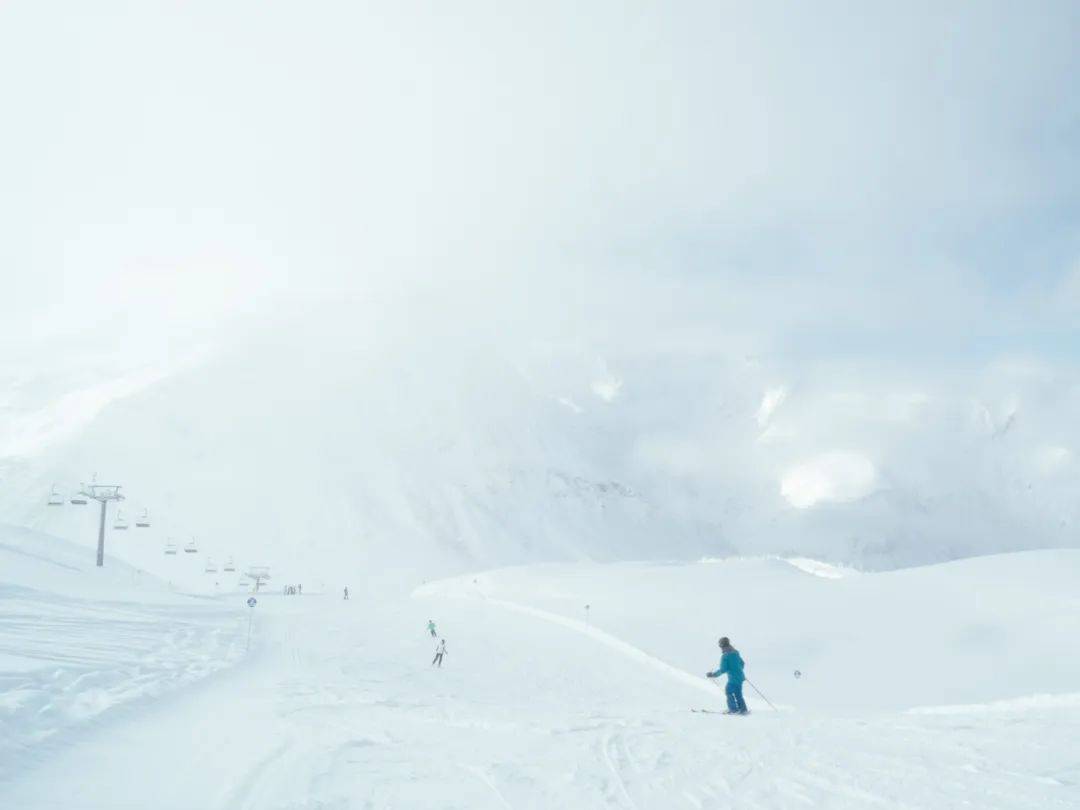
(731, 664)
(431, 627)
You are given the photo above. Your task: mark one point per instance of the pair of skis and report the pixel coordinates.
(713, 711)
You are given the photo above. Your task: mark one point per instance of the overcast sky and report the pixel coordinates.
(813, 179)
(757, 259)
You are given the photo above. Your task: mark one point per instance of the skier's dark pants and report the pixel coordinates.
(735, 702)
(437, 660)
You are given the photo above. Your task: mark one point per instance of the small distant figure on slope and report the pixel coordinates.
(346, 593)
(299, 590)
(431, 627)
(732, 665)
(440, 651)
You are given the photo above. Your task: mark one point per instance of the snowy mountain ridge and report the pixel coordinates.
(321, 445)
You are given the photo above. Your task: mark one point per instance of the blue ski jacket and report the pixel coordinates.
(731, 664)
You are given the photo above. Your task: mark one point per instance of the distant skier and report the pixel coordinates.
(431, 627)
(346, 593)
(731, 664)
(440, 651)
(299, 590)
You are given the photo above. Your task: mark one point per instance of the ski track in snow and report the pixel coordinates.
(66, 662)
(615, 643)
(337, 707)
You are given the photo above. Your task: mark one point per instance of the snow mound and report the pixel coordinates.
(820, 569)
(78, 641)
(33, 559)
(849, 637)
(1044, 702)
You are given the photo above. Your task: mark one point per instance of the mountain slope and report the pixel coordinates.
(339, 707)
(359, 442)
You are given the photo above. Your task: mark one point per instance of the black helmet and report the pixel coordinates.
(725, 642)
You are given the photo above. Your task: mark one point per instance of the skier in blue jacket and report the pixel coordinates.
(731, 664)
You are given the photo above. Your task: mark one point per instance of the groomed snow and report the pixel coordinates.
(944, 686)
(77, 643)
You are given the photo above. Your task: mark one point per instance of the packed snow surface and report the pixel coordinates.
(76, 642)
(938, 687)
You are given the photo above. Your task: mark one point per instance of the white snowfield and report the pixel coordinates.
(941, 687)
(79, 642)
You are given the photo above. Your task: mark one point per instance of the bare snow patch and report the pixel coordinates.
(816, 568)
(820, 569)
(1050, 460)
(566, 402)
(32, 431)
(607, 389)
(831, 477)
(772, 400)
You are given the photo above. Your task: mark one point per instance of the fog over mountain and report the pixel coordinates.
(447, 288)
(338, 441)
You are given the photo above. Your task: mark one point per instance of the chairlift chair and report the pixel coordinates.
(192, 547)
(170, 548)
(230, 565)
(121, 523)
(143, 520)
(211, 566)
(78, 499)
(55, 498)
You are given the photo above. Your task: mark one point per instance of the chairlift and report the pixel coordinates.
(229, 565)
(78, 499)
(211, 566)
(192, 547)
(55, 498)
(143, 520)
(170, 548)
(259, 574)
(121, 523)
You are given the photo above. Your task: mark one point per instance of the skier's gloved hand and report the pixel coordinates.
(710, 675)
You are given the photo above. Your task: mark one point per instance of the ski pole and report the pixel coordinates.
(762, 696)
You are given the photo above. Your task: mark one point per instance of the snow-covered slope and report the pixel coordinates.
(347, 438)
(338, 705)
(975, 630)
(358, 457)
(77, 642)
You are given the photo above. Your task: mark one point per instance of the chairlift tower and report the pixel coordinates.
(102, 493)
(260, 574)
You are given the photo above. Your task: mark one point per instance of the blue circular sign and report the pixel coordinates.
(252, 601)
